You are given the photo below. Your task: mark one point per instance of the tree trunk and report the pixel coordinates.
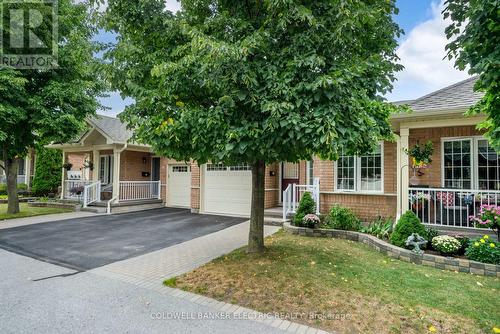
(11, 167)
(256, 235)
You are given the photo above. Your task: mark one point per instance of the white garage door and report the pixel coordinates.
(228, 189)
(179, 185)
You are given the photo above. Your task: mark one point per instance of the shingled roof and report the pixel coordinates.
(112, 127)
(457, 96)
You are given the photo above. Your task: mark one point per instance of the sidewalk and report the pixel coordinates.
(44, 219)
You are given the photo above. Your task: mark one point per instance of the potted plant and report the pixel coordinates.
(67, 166)
(421, 156)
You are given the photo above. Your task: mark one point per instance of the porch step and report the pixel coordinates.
(276, 212)
(128, 206)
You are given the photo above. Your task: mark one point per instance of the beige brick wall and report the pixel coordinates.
(132, 166)
(271, 198)
(367, 207)
(195, 186)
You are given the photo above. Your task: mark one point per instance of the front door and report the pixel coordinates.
(289, 174)
(106, 169)
(155, 169)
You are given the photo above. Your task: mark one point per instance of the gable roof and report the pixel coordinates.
(457, 96)
(111, 127)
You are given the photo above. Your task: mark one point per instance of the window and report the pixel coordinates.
(20, 170)
(310, 172)
(363, 173)
(215, 167)
(457, 164)
(222, 167)
(488, 166)
(180, 169)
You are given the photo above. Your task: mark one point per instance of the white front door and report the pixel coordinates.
(179, 186)
(228, 189)
(106, 169)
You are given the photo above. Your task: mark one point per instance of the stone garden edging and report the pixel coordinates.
(435, 261)
(56, 205)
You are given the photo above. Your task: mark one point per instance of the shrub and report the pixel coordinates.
(341, 218)
(48, 171)
(484, 250)
(446, 244)
(464, 243)
(21, 187)
(306, 206)
(381, 228)
(430, 233)
(407, 224)
(310, 220)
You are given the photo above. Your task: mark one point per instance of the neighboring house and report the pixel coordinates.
(465, 171)
(25, 172)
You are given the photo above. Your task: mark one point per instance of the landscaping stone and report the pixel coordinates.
(430, 260)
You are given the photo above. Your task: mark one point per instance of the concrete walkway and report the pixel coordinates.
(44, 219)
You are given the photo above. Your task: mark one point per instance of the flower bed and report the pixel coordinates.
(436, 261)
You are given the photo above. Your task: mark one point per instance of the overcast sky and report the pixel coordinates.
(421, 50)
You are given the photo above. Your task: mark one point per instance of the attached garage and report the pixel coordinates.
(227, 189)
(179, 186)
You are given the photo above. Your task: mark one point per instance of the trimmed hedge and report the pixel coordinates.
(306, 206)
(48, 171)
(20, 187)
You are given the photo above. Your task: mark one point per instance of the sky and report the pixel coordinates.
(421, 50)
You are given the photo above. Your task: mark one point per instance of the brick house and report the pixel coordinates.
(25, 170)
(465, 171)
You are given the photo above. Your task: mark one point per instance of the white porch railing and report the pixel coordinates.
(91, 193)
(450, 207)
(73, 189)
(139, 190)
(293, 193)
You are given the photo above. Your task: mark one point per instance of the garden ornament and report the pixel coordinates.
(416, 241)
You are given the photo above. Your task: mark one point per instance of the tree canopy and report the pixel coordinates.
(42, 105)
(255, 81)
(475, 42)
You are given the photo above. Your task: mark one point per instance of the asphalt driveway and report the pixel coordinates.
(91, 242)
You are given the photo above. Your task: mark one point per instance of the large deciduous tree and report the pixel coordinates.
(475, 42)
(42, 105)
(256, 81)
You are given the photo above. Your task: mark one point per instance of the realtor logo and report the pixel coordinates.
(28, 38)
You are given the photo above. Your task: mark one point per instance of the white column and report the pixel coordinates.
(27, 170)
(63, 177)
(116, 174)
(404, 168)
(96, 160)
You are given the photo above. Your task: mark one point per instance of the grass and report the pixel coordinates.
(28, 211)
(350, 287)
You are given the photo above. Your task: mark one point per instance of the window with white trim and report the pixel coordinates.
(310, 172)
(457, 163)
(360, 173)
(222, 167)
(488, 166)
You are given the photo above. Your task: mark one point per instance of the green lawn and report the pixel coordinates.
(27, 211)
(358, 289)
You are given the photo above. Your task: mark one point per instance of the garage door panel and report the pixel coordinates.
(179, 186)
(228, 192)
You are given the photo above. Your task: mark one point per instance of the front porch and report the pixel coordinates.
(464, 174)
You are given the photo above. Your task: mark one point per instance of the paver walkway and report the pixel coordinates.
(152, 269)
